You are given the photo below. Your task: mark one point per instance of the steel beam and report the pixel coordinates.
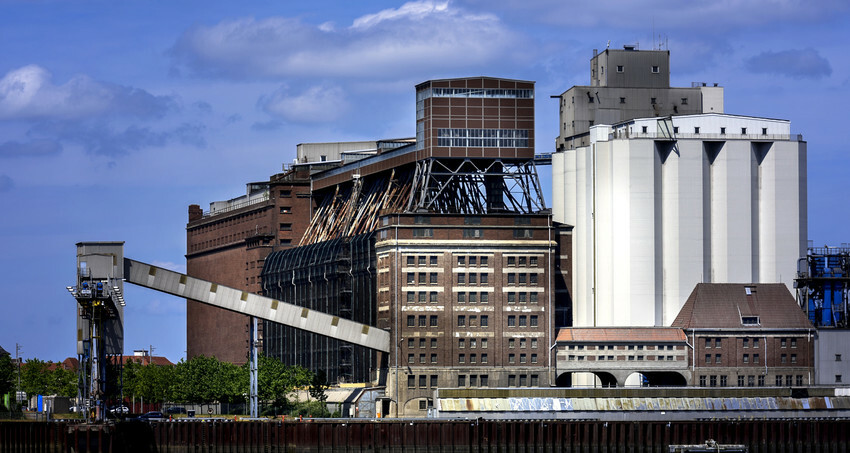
(246, 303)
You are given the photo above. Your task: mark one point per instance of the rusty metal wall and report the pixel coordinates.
(413, 436)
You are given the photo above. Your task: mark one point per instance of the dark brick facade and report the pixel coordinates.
(229, 248)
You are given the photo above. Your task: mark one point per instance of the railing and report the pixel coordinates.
(234, 206)
(672, 136)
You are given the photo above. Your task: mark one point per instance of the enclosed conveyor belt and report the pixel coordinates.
(246, 303)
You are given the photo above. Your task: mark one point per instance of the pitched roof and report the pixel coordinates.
(621, 334)
(3, 352)
(147, 360)
(723, 305)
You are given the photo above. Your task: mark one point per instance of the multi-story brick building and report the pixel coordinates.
(747, 335)
(229, 244)
(468, 300)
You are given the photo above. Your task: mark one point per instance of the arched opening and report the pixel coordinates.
(664, 379)
(605, 379)
(564, 380)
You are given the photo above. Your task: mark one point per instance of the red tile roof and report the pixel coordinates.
(621, 335)
(147, 360)
(721, 305)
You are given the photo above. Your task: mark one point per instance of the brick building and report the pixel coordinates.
(228, 245)
(747, 335)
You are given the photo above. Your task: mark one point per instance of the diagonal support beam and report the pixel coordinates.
(246, 303)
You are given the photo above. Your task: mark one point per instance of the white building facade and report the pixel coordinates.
(661, 204)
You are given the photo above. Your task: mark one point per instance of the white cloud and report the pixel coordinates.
(29, 93)
(316, 104)
(411, 10)
(417, 38)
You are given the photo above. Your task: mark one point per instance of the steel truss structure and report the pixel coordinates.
(823, 285)
(475, 186)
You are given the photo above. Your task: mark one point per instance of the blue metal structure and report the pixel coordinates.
(823, 285)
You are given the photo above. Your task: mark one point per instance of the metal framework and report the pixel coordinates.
(823, 285)
(475, 186)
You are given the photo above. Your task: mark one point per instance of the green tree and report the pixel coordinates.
(35, 377)
(278, 382)
(203, 380)
(318, 385)
(62, 382)
(7, 374)
(153, 383)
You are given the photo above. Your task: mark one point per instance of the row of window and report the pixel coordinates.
(610, 358)
(472, 342)
(522, 298)
(422, 260)
(422, 342)
(476, 93)
(483, 138)
(522, 278)
(473, 358)
(783, 359)
(630, 347)
(470, 297)
(745, 342)
(468, 233)
(473, 298)
(751, 381)
(472, 321)
(523, 358)
(411, 359)
(472, 261)
(473, 279)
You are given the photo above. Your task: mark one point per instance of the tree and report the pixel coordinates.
(318, 385)
(277, 382)
(7, 374)
(35, 378)
(203, 380)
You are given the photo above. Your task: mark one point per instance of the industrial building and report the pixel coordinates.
(443, 240)
(662, 203)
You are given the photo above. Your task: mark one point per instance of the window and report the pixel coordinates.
(532, 298)
(717, 342)
(707, 359)
(433, 343)
(285, 227)
(422, 321)
(483, 261)
(422, 343)
(422, 277)
(473, 380)
(799, 378)
(472, 359)
(473, 233)
(472, 343)
(422, 260)
(485, 321)
(523, 320)
(484, 278)
(712, 381)
(534, 343)
(622, 100)
(523, 298)
(285, 193)
(461, 343)
(522, 358)
(422, 297)
(702, 381)
(422, 360)
(473, 260)
(484, 298)
(511, 343)
(511, 321)
(286, 209)
(743, 131)
(620, 68)
(764, 131)
(461, 261)
(411, 321)
(755, 343)
(410, 343)
(533, 321)
(750, 320)
(473, 320)
(411, 297)
(409, 358)
(411, 381)
(433, 260)
(684, 101)
(696, 130)
(523, 233)
(433, 278)
(473, 279)
(644, 129)
(461, 321)
(511, 380)
(751, 381)
(461, 358)
(522, 278)
(746, 358)
(708, 343)
(511, 261)
(722, 131)
(433, 320)
(484, 379)
(423, 232)
(782, 342)
(512, 279)
(511, 358)
(533, 358)
(655, 70)
(783, 358)
(511, 298)
(794, 358)
(473, 298)
(483, 344)
(483, 356)
(411, 278)
(788, 380)
(433, 380)
(838, 379)
(755, 359)
(675, 129)
(410, 260)
(741, 381)
(723, 381)
(779, 381)
(461, 279)
(461, 381)
(793, 342)
(837, 357)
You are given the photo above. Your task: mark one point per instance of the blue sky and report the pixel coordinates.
(115, 116)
